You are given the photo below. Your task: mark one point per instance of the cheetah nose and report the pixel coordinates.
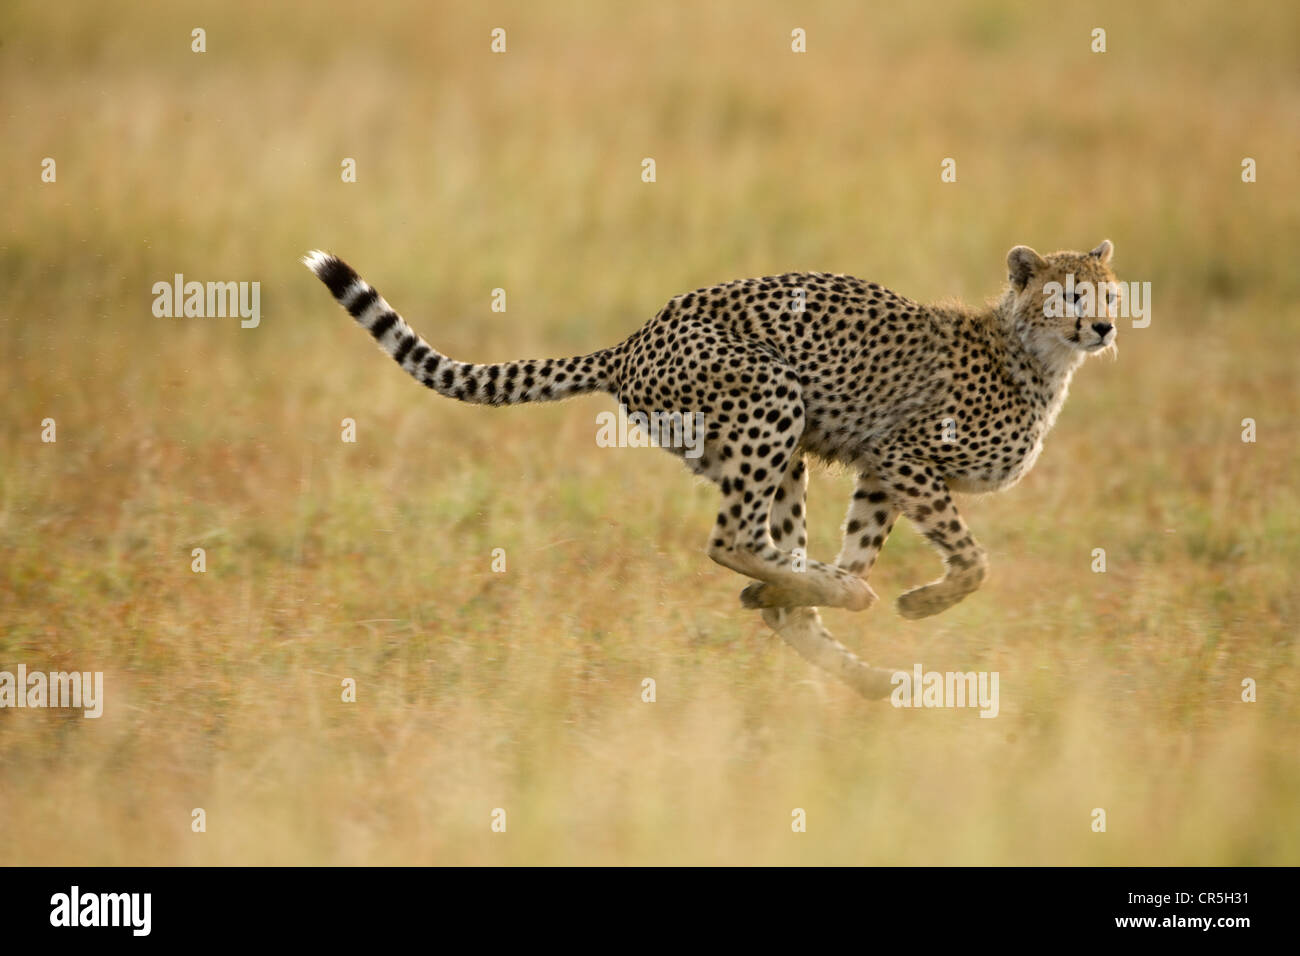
(1102, 328)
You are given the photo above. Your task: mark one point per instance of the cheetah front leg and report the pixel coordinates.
(922, 495)
(871, 517)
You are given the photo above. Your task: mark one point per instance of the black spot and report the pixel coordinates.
(403, 347)
(337, 276)
(383, 324)
(362, 302)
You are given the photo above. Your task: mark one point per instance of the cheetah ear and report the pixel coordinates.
(1022, 262)
(1103, 251)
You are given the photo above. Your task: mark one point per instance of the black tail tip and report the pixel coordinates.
(333, 271)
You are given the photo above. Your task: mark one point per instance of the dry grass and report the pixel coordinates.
(522, 690)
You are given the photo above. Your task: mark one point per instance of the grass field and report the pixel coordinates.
(521, 690)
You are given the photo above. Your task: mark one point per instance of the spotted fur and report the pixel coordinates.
(918, 400)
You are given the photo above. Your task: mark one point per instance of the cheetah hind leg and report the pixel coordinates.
(869, 521)
(743, 538)
(788, 522)
(802, 629)
(789, 530)
(800, 626)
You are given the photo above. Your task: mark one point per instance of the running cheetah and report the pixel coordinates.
(918, 400)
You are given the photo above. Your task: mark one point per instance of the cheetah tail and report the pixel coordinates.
(506, 383)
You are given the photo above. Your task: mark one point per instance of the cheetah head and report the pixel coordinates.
(1063, 305)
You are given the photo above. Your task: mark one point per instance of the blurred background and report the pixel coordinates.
(521, 690)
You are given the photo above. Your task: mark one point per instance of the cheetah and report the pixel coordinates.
(918, 401)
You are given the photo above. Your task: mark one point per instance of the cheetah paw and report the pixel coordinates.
(927, 600)
(857, 596)
(761, 595)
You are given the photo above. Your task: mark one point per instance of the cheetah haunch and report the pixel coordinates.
(919, 400)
